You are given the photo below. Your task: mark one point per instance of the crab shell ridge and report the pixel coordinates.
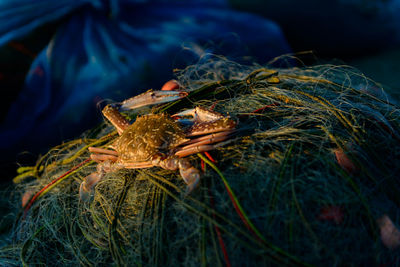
(149, 135)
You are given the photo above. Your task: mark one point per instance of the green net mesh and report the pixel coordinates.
(313, 165)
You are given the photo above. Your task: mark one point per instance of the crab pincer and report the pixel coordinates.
(151, 98)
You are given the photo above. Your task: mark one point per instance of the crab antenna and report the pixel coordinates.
(152, 98)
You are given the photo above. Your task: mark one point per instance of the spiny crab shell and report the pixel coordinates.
(147, 136)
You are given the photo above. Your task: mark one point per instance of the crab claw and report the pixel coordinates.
(151, 98)
(199, 114)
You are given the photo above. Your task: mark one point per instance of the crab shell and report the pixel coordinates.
(149, 135)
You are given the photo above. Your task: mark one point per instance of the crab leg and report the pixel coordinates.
(102, 157)
(99, 150)
(202, 144)
(151, 98)
(211, 127)
(190, 174)
(112, 114)
(87, 186)
(138, 165)
(207, 139)
(194, 149)
(89, 182)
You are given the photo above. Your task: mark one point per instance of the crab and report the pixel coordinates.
(157, 140)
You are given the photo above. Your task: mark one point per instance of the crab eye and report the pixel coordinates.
(153, 94)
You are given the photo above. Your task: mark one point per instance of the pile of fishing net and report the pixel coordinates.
(311, 176)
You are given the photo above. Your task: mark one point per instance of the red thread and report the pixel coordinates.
(52, 182)
(242, 216)
(259, 110)
(220, 240)
(209, 157)
(22, 49)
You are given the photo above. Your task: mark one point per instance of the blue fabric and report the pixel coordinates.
(19, 17)
(113, 50)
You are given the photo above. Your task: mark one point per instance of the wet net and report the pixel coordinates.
(313, 166)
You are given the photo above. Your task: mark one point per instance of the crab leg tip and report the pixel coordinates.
(84, 193)
(190, 175)
(87, 186)
(191, 187)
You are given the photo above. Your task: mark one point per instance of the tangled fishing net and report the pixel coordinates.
(311, 176)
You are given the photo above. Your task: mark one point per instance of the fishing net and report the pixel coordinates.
(313, 166)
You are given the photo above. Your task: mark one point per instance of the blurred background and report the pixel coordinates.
(59, 59)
